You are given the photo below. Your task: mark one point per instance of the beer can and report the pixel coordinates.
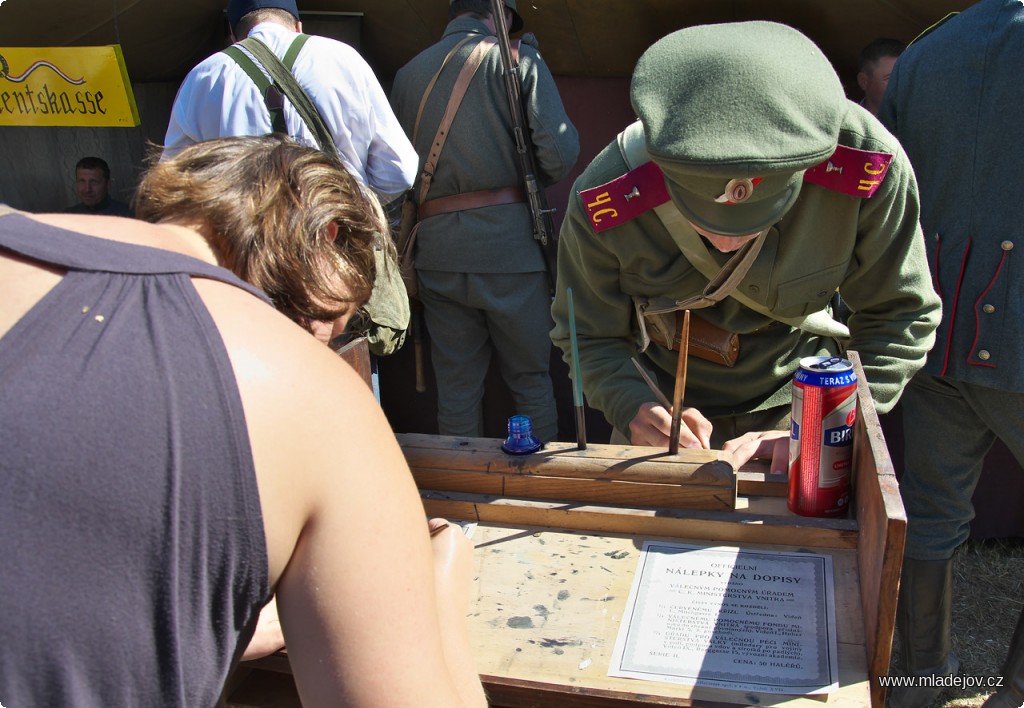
(821, 436)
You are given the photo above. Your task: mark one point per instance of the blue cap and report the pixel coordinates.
(237, 9)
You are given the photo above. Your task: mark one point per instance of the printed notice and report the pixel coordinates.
(721, 617)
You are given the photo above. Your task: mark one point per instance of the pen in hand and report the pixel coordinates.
(662, 399)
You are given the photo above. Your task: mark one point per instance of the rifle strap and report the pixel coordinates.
(430, 86)
(476, 57)
(433, 80)
(281, 82)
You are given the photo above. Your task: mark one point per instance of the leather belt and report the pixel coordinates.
(470, 200)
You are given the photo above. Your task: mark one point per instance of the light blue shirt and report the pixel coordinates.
(218, 99)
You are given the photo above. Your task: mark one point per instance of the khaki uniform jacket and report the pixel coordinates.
(869, 249)
(480, 153)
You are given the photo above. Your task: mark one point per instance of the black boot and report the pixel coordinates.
(1011, 695)
(923, 618)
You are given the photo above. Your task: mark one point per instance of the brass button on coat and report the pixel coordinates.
(988, 309)
(1006, 245)
(984, 355)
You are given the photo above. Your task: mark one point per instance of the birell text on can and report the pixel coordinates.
(821, 436)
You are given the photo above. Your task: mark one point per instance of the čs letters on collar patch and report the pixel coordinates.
(625, 197)
(857, 173)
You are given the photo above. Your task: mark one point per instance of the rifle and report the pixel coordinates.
(540, 214)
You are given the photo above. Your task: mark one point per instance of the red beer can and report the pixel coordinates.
(821, 436)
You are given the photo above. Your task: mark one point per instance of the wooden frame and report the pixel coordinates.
(548, 523)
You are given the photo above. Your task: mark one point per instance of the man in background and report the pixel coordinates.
(92, 185)
(480, 273)
(876, 61)
(218, 99)
(948, 104)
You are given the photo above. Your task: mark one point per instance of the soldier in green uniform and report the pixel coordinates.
(747, 157)
(481, 275)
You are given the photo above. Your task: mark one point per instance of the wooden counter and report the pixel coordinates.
(558, 537)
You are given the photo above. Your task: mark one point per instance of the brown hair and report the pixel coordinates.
(245, 24)
(267, 205)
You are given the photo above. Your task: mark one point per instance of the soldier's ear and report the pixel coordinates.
(862, 81)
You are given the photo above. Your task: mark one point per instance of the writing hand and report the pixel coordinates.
(652, 425)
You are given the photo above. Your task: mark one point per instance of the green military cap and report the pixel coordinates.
(733, 114)
(517, 21)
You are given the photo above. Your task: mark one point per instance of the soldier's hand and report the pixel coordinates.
(768, 445)
(653, 424)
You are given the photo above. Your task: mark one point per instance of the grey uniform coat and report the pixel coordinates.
(480, 153)
(972, 222)
(953, 101)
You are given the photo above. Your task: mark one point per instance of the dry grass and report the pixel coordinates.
(988, 597)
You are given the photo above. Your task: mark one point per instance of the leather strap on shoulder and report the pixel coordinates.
(461, 84)
(430, 85)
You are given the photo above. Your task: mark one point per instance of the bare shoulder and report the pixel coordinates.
(311, 419)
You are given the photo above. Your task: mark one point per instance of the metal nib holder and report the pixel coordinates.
(520, 440)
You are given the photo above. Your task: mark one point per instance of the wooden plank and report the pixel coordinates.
(602, 491)
(732, 527)
(754, 479)
(623, 462)
(882, 523)
(549, 605)
(560, 531)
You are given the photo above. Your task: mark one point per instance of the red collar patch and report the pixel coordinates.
(625, 197)
(857, 173)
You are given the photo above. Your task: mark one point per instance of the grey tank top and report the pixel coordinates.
(132, 547)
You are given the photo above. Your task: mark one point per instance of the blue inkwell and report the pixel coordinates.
(520, 440)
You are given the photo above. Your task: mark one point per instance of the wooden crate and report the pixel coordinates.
(559, 532)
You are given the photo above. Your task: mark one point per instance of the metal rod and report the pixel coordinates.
(577, 385)
(680, 389)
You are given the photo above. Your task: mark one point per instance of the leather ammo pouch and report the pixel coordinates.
(405, 242)
(707, 341)
(660, 319)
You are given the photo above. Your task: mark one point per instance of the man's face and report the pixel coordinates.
(725, 244)
(91, 186)
(874, 81)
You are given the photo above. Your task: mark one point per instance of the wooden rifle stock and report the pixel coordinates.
(540, 214)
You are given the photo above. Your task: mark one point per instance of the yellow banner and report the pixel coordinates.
(67, 86)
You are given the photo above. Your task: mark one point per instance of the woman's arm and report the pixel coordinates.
(374, 613)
